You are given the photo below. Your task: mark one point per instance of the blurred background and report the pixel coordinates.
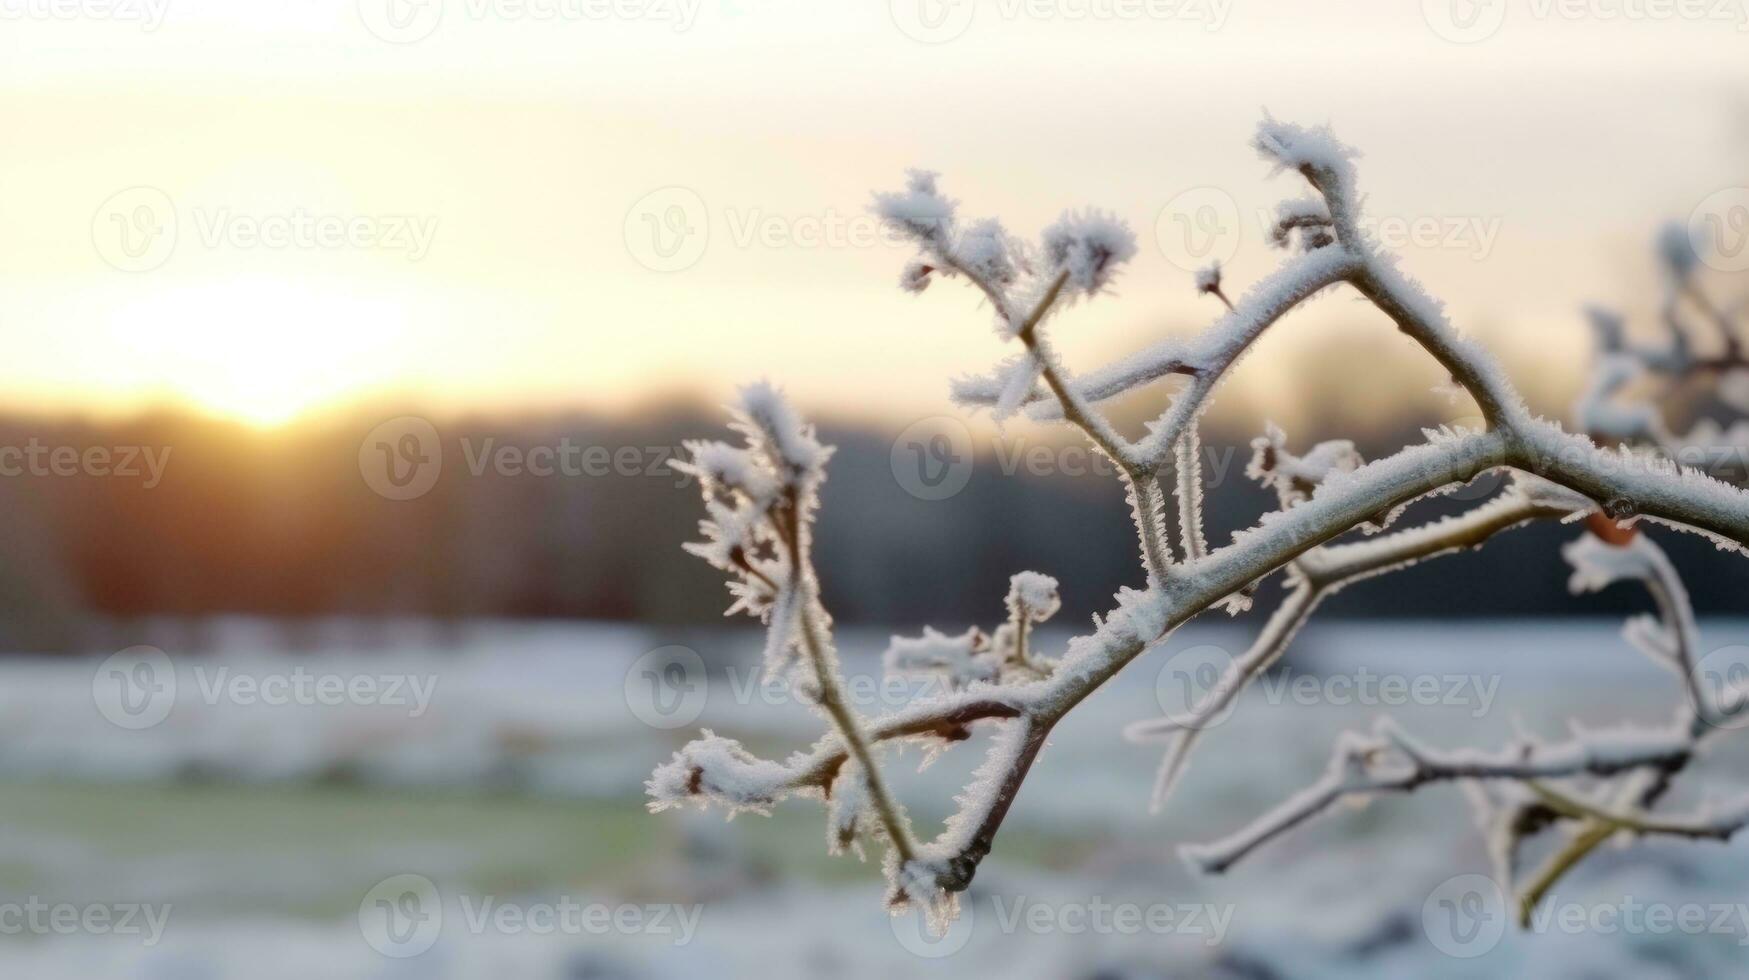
(347, 341)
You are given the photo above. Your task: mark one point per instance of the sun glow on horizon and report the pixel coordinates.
(263, 352)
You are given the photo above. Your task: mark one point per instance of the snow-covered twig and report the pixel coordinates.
(760, 501)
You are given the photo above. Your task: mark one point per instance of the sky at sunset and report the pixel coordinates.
(478, 205)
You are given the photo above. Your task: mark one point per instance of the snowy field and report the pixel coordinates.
(474, 799)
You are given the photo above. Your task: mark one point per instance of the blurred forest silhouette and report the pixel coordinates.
(280, 523)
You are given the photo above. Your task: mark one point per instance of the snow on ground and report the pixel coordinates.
(1083, 884)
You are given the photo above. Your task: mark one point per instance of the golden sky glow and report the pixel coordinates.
(467, 220)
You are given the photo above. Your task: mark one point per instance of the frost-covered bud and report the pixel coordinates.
(730, 535)
(1316, 150)
(1032, 597)
(1676, 252)
(788, 443)
(915, 277)
(1208, 279)
(919, 212)
(723, 471)
(1089, 246)
(1295, 478)
(717, 770)
(848, 810)
(985, 252)
(960, 659)
(1308, 214)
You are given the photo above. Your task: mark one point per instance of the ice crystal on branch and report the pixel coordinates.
(1089, 247)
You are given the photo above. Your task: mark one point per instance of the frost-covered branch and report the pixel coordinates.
(1621, 399)
(1389, 761)
(760, 501)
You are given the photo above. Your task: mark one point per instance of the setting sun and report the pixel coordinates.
(263, 352)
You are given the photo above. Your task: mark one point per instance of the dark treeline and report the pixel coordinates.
(282, 523)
